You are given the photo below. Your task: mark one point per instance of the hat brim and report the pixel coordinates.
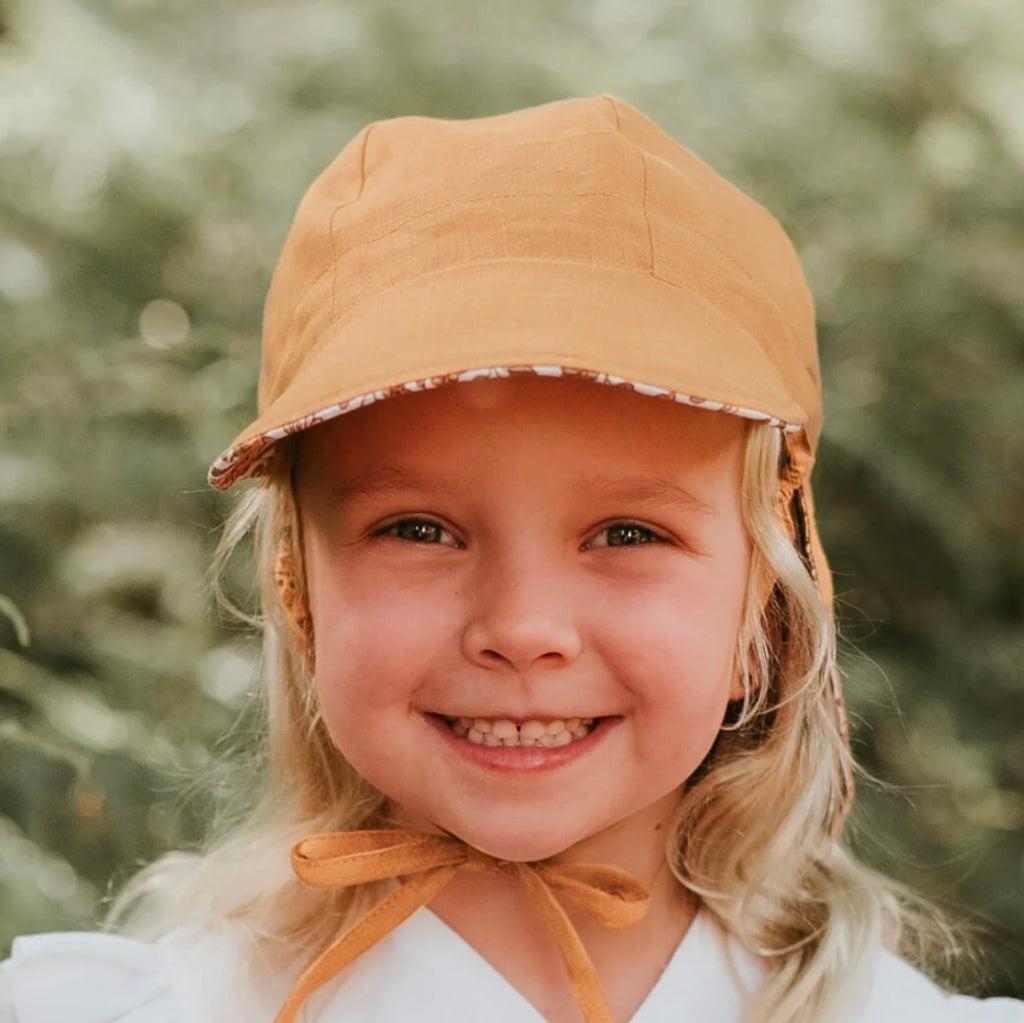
(534, 315)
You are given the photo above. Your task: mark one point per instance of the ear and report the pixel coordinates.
(736, 687)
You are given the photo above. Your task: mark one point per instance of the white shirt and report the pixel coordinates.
(422, 972)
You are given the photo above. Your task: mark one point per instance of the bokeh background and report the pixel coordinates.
(151, 157)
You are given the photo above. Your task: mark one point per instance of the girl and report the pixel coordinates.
(548, 633)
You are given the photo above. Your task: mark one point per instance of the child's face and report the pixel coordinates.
(525, 550)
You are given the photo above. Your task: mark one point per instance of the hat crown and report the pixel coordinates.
(588, 181)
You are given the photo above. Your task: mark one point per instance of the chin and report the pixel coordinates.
(517, 845)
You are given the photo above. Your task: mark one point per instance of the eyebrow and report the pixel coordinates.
(383, 479)
(652, 490)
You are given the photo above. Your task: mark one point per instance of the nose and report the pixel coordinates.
(521, 616)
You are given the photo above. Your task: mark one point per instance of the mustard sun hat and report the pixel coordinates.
(571, 238)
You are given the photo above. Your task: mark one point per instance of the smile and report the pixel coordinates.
(531, 732)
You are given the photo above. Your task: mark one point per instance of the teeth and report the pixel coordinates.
(530, 731)
(503, 732)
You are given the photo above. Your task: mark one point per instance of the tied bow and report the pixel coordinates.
(429, 862)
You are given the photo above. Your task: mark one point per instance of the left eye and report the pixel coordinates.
(423, 531)
(625, 534)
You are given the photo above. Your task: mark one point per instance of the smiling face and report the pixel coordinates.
(558, 563)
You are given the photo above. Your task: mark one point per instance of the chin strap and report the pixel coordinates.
(428, 862)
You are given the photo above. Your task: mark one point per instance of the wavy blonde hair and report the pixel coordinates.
(753, 829)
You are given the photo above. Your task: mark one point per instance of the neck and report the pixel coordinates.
(495, 915)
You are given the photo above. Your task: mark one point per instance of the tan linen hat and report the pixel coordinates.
(575, 237)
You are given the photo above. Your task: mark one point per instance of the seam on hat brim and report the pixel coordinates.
(248, 459)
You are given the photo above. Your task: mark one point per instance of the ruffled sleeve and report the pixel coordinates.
(961, 1009)
(902, 994)
(86, 978)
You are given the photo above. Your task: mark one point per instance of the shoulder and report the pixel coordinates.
(890, 989)
(87, 978)
(901, 994)
(96, 978)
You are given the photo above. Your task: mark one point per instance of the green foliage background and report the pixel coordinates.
(152, 157)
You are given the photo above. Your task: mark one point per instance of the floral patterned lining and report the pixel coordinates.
(253, 458)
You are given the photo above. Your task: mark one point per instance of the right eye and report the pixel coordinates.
(420, 531)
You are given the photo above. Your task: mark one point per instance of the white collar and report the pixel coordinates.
(425, 971)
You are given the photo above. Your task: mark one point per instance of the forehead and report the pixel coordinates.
(528, 416)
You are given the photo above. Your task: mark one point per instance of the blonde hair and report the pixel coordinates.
(753, 835)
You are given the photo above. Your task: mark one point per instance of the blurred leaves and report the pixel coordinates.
(9, 610)
(152, 158)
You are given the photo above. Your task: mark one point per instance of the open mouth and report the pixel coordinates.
(531, 732)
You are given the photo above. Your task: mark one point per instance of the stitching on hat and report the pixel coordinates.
(485, 198)
(331, 268)
(724, 253)
(333, 262)
(330, 227)
(316, 280)
(754, 281)
(728, 257)
(615, 110)
(362, 160)
(647, 219)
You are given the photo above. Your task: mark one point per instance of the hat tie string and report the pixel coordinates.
(611, 896)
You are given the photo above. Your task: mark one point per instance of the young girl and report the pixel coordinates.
(554, 724)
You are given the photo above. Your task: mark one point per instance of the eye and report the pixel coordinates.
(420, 531)
(625, 534)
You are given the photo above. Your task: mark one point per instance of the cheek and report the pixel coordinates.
(675, 724)
(373, 645)
(374, 653)
(687, 631)
(676, 653)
